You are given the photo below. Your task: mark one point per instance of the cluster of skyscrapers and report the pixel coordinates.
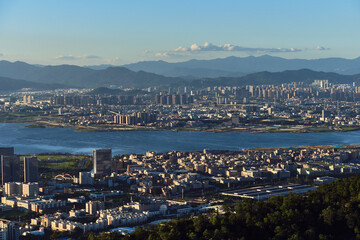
(135, 118)
(174, 99)
(10, 167)
(70, 100)
(83, 100)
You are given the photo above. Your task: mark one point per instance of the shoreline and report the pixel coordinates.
(342, 146)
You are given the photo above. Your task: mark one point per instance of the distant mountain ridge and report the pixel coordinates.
(269, 78)
(114, 77)
(238, 66)
(83, 77)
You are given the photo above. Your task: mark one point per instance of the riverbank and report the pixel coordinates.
(35, 121)
(253, 129)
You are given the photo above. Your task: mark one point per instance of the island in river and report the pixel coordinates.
(38, 121)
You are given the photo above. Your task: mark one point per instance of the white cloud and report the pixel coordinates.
(207, 47)
(161, 54)
(321, 48)
(1, 54)
(181, 49)
(66, 57)
(195, 47)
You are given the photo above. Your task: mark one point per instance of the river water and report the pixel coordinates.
(42, 140)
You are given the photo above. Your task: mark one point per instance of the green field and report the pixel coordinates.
(59, 157)
(18, 117)
(60, 163)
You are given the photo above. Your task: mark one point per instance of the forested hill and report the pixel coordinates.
(9, 84)
(331, 212)
(274, 78)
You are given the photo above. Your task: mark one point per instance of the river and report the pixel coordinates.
(42, 140)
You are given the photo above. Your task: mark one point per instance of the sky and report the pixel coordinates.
(89, 32)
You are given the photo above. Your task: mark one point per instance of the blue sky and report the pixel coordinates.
(86, 32)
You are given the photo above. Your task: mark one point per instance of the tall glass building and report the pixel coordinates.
(102, 161)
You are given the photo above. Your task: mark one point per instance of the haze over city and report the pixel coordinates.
(179, 120)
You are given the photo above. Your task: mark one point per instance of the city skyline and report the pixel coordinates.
(92, 33)
(179, 119)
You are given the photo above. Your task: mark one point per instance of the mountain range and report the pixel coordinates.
(82, 77)
(268, 78)
(237, 66)
(268, 70)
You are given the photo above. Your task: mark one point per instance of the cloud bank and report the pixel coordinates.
(209, 47)
(321, 48)
(71, 57)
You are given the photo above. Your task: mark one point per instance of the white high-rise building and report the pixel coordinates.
(13, 188)
(30, 189)
(22, 189)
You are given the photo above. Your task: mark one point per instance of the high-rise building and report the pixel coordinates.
(102, 161)
(10, 168)
(21, 189)
(8, 230)
(5, 151)
(31, 166)
(85, 178)
(8, 151)
(13, 188)
(92, 207)
(30, 189)
(27, 99)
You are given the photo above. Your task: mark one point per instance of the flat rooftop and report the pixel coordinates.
(265, 192)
